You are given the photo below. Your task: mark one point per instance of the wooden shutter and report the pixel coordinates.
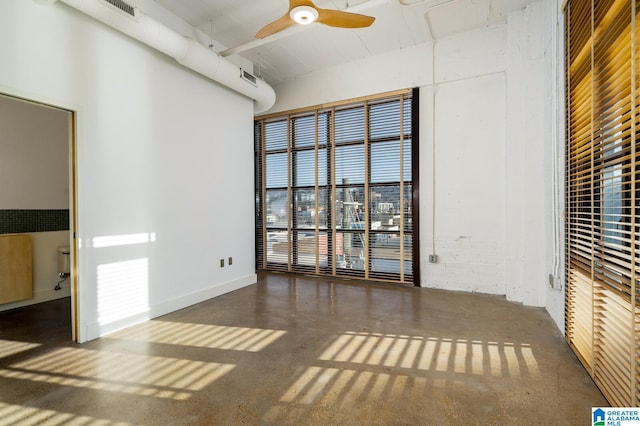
(602, 188)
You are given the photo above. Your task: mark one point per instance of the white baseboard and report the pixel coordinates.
(93, 331)
(39, 297)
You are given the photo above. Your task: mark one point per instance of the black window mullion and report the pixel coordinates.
(415, 183)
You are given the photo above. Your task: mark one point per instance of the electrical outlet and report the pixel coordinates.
(230, 261)
(222, 263)
(433, 258)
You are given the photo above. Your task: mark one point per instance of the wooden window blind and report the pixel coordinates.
(335, 189)
(602, 193)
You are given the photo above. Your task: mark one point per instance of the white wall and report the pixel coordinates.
(164, 164)
(34, 171)
(34, 166)
(527, 186)
(409, 67)
(554, 131)
(469, 201)
(534, 128)
(490, 192)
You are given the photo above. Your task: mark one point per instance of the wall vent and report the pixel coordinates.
(248, 77)
(123, 6)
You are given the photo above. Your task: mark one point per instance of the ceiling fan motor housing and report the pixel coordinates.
(304, 14)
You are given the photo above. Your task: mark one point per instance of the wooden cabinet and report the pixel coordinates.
(16, 277)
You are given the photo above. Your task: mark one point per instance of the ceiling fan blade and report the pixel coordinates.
(296, 3)
(338, 18)
(275, 26)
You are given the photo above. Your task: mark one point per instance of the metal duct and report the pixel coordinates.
(186, 51)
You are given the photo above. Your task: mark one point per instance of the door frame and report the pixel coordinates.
(73, 195)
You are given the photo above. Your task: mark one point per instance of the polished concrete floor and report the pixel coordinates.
(296, 350)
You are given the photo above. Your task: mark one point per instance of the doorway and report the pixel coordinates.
(38, 202)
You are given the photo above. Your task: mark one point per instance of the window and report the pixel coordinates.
(335, 189)
(603, 193)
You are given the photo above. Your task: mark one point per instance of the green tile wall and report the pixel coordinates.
(21, 221)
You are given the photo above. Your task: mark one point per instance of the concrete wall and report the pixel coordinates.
(468, 198)
(527, 171)
(34, 171)
(485, 161)
(164, 157)
(554, 134)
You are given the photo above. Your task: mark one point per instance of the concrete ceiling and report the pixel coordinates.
(232, 24)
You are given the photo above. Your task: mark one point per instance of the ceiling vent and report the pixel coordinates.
(247, 76)
(123, 6)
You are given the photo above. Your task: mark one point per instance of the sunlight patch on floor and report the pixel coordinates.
(11, 347)
(371, 368)
(19, 415)
(201, 335)
(342, 389)
(119, 372)
(447, 355)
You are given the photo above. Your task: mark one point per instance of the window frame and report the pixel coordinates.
(329, 228)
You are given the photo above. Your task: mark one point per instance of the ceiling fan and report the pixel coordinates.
(305, 12)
